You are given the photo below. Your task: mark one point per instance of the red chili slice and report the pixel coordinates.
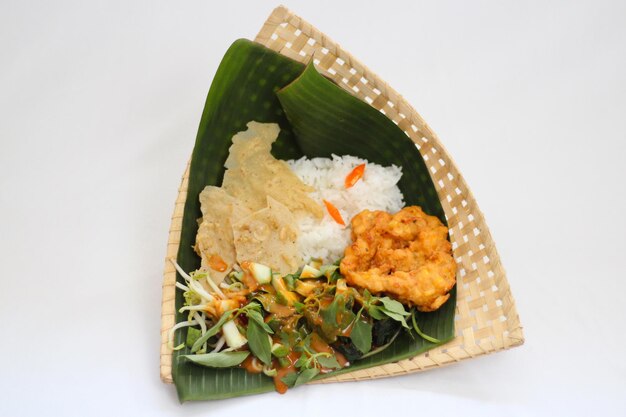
(334, 213)
(354, 176)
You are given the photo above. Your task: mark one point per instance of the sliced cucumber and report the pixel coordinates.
(310, 272)
(282, 291)
(262, 273)
(316, 263)
(305, 288)
(279, 350)
(234, 339)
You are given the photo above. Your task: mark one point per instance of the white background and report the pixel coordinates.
(99, 106)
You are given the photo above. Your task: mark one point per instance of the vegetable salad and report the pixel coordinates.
(292, 328)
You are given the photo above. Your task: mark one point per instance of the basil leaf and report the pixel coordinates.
(192, 335)
(259, 342)
(218, 359)
(211, 332)
(305, 376)
(329, 362)
(375, 312)
(306, 338)
(361, 335)
(258, 318)
(346, 317)
(290, 379)
(284, 338)
(394, 306)
(274, 324)
(396, 317)
(329, 314)
(345, 346)
(302, 360)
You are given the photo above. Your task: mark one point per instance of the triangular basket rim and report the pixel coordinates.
(486, 318)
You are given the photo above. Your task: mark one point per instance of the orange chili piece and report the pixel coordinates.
(354, 176)
(334, 212)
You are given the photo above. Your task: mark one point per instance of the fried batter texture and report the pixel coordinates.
(406, 255)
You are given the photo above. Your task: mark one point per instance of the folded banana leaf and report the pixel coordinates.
(317, 118)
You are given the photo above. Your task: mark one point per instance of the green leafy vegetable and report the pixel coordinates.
(218, 359)
(396, 317)
(305, 376)
(259, 342)
(329, 362)
(394, 306)
(384, 330)
(381, 348)
(280, 351)
(302, 362)
(348, 349)
(361, 335)
(388, 307)
(211, 332)
(257, 317)
(290, 379)
(192, 335)
(329, 314)
(375, 312)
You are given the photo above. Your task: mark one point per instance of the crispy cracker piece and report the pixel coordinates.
(253, 174)
(215, 235)
(268, 236)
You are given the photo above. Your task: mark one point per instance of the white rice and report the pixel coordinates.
(376, 190)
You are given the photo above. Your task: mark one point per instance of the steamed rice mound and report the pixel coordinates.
(376, 190)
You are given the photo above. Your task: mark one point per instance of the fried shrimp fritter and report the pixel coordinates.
(406, 255)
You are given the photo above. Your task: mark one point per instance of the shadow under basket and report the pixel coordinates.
(486, 319)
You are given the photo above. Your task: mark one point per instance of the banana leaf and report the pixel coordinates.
(328, 120)
(317, 118)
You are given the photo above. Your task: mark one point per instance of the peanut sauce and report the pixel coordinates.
(252, 365)
(247, 278)
(281, 387)
(216, 263)
(288, 318)
(280, 310)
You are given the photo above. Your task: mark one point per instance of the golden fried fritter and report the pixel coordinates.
(406, 255)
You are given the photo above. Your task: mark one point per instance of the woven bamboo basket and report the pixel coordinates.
(486, 319)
